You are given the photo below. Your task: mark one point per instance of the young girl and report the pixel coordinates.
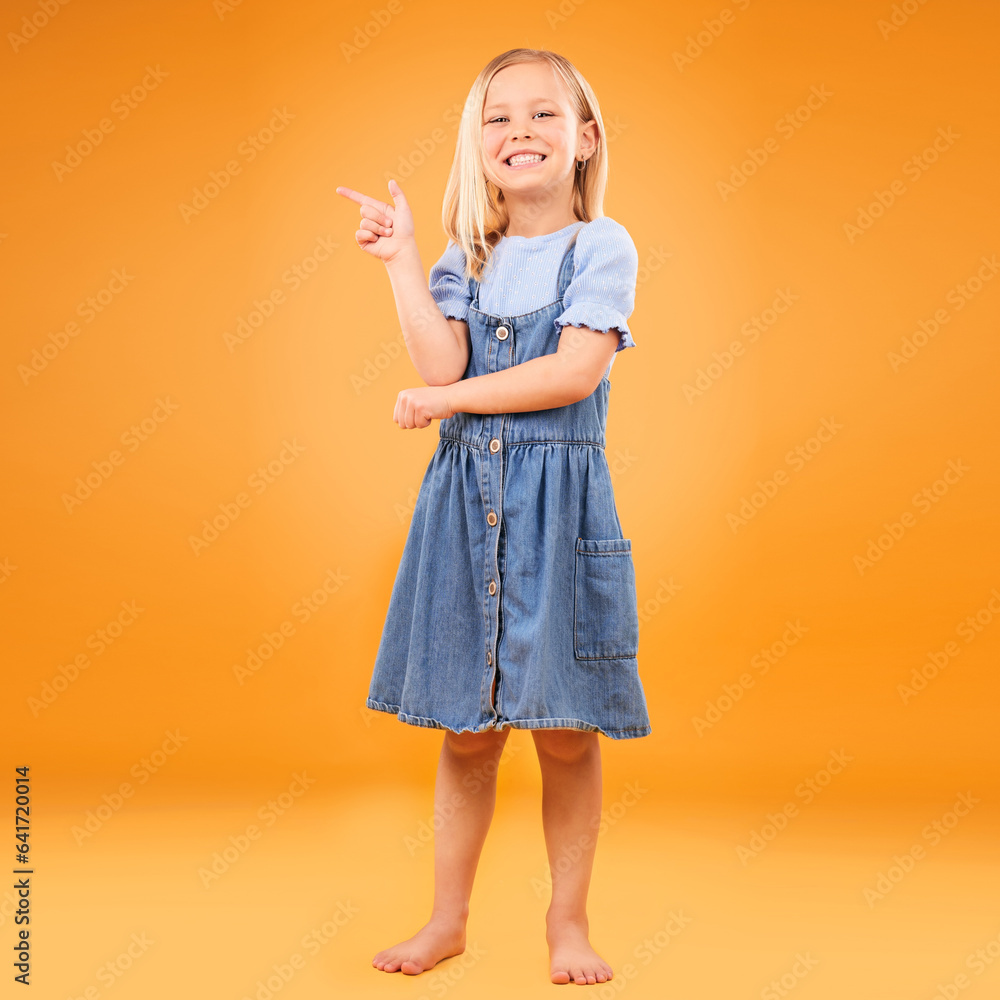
(514, 604)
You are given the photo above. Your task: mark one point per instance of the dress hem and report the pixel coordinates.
(420, 720)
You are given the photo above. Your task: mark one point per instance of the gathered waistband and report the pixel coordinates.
(481, 443)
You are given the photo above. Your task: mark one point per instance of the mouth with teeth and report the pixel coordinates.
(519, 160)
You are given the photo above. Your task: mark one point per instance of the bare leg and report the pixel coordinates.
(570, 761)
(458, 843)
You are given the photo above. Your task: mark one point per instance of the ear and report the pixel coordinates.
(589, 138)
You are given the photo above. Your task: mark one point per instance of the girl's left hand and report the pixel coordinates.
(418, 407)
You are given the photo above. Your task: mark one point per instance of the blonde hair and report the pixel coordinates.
(474, 213)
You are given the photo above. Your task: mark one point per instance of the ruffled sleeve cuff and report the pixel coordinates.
(452, 308)
(448, 285)
(597, 316)
(601, 293)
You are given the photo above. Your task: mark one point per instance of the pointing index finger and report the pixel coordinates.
(364, 199)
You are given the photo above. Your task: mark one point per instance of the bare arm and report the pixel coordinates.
(573, 372)
(438, 346)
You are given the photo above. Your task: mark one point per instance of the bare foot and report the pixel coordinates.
(572, 958)
(439, 938)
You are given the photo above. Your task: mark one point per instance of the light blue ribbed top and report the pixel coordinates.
(523, 275)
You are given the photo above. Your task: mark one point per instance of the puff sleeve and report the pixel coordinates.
(448, 285)
(601, 294)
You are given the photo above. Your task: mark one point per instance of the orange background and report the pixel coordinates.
(340, 500)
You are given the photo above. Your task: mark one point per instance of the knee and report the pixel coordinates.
(566, 746)
(485, 744)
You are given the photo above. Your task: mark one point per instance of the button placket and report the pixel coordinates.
(493, 431)
(496, 346)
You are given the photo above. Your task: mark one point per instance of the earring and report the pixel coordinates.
(581, 164)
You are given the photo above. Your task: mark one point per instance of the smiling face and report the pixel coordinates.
(528, 111)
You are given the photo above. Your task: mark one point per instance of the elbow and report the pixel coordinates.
(443, 376)
(579, 383)
(448, 366)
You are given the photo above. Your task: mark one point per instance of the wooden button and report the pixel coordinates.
(491, 519)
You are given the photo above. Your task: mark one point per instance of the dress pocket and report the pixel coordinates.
(605, 607)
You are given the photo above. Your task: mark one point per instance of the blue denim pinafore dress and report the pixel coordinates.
(515, 603)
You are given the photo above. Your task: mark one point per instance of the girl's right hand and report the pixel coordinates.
(385, 229)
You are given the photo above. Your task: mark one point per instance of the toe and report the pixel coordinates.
(411, 968)
(560, 976)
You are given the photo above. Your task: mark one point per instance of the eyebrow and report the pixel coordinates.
(534, 100)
